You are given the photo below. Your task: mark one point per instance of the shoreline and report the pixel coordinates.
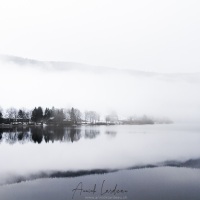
(75, 125)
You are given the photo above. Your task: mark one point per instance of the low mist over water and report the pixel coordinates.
(94, 147)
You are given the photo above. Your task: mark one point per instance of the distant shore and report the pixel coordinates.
(73, 125)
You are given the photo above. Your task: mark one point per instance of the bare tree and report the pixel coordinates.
(28, 114)
(92, 116)
(11, 113)
(67, 113)
(23, 113)
(112, 118)
(87, 116)
(75, 115)
(59, 115)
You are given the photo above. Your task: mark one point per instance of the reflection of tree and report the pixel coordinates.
(48, 134)
(1, 134)
(59, 133)
(54, 133)
(74, 134)
(23, 134)
(91, 133)
(37, 134)
(11, 138)
(12, 135)
(111, 133)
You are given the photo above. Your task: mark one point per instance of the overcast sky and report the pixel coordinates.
(159, 36)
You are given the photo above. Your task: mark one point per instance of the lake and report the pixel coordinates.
(146, 161)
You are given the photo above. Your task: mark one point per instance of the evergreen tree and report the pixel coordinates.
(34, 115)
(21, 114)
(59, 115)
(37, 114)
(47, 114)
(72, 116)
(75, 116)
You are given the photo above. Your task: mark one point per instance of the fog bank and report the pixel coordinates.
(29, 83)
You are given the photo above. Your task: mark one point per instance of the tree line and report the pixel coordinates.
(48, 115)
(71, 116)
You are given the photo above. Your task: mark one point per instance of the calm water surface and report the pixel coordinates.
(31, 151)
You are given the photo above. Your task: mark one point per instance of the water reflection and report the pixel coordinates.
(37, 134)
(91, 133)
(46, 134)
(111, 133)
